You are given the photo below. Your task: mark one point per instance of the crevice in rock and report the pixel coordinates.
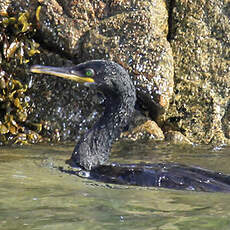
(171, 33)
(50, 47)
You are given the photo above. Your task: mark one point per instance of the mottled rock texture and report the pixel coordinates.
(200, 39)
(159, 42)
(147, 130)
(132, 33)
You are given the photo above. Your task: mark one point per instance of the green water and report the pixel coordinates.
(35, 195)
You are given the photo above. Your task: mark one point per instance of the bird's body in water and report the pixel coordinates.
(93, 150)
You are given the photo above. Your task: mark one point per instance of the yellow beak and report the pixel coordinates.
(63, 72)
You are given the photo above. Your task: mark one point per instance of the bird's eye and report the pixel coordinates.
(89, 72)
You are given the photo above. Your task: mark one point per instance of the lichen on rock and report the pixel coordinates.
(200, 39)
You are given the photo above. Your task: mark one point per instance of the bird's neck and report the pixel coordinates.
(94, 148)
(115, 118)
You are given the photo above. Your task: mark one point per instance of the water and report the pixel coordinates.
(35, 195)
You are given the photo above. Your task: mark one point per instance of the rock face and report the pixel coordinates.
(132, 33)
(200, 39)
(190, 47)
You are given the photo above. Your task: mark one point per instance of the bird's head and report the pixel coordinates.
(108, 76)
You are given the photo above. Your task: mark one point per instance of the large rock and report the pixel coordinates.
(132, 33)
(200, 39)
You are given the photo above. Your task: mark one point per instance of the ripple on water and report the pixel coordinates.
(35, 195)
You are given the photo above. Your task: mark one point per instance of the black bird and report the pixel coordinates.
(93, 149)
(114, 82)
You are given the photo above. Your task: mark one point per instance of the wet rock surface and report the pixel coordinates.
(135, 34)
(130, 33)
(176, 137)
(147, 130)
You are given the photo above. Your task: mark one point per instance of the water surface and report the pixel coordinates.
(35, 195)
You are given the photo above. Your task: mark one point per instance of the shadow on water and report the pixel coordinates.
(35, 195)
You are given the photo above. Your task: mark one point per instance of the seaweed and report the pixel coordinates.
(17, 47)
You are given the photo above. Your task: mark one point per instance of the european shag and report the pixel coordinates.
(114, 82)
(93, 149)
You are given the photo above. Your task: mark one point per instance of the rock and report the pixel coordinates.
(176, 137)
(132, 33)
(147, 130)
(136, 38)
(200, 39)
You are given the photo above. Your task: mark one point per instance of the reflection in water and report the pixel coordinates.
(35, 195)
